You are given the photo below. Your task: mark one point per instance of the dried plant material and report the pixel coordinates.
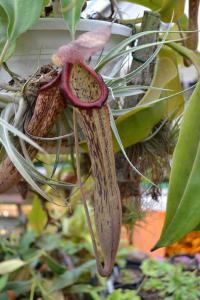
(192, 38)
(48, 105)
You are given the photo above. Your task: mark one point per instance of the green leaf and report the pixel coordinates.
(175, 106)
(170, 7)
(71, 10)
(93, 291)
(54, 265)
(11, 265)
(183, 204)
(46, 2)
(27, 239)
(166, 8)
(49, 242)
(18, 287)
(4, 296)
(156, 268)
(137, 124)
(169, 80)
(123, 295)
(184, 22)
(69, 278)
(118, 139)
(3, 281)
(21, 15)
(3, 28)
(37, 217)
(142, 118)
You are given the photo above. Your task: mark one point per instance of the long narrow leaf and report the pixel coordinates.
(116, 134)
(9, 111)
(183, 205)
(126, 52)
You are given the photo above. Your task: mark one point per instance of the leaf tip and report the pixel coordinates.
(155, 247)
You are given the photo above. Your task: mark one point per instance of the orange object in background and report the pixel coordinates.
(147, 232)
(190, 244)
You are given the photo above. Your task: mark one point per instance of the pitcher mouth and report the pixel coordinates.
(67, 90)
(50, 84)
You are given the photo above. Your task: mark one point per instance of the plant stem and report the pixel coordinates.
(8, 98)
(192, 38)
(3, 53)
(130, 21)
(9, 88)
(13, 75)
(33, 286)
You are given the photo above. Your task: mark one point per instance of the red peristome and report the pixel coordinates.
(51, 83)
(68, 93)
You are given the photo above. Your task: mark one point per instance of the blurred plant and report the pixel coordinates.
(170, 281)
(123, 295)
(52, 259)
(142, 123)
(44, 260)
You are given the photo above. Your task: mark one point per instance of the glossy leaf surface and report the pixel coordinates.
(183, 205)
(17, 16)
(169, 79)
(137, 124)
